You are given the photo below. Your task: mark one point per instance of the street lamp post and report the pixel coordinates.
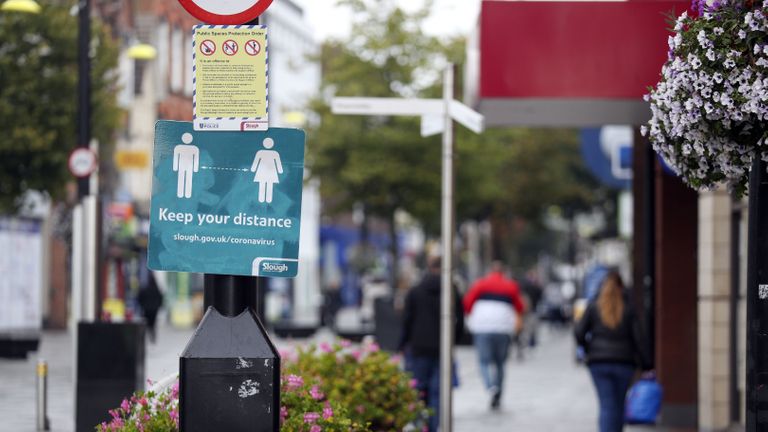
(83, 86)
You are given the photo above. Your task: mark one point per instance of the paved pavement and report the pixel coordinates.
(546, 392)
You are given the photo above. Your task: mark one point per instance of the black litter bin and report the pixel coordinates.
(110, 367)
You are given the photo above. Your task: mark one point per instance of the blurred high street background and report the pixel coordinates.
(561, 187)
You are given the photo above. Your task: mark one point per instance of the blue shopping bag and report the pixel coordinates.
(643, 401)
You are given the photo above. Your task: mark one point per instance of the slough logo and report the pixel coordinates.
(274, 268)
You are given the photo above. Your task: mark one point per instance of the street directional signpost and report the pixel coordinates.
(437, 116)
(226, 202)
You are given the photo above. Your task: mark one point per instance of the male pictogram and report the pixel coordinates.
(267, 166)
(186, 161)
(229, 47)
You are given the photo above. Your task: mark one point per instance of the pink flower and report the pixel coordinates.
(357, 354)
(360, 409)
(411, 406)
(115, 415)
(413, 383)
(175, 390)
(315, 428)
(143, 401)
(294, 381)
(325, 347)
(316, 393)
(327, 411)
(283, 413)
(345, 343)
(373, 347)
(125, 406)
(311, 417)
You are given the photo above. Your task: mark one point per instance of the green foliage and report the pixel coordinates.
(146, 412)
(305, 408)
(381, 162)
(384, 163)
(367, 382)
(38, 98)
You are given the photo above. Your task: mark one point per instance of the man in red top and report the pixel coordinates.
(495, 309)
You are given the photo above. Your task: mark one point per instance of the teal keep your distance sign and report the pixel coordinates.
(226, 202)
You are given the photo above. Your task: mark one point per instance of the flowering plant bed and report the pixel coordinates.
(331, 388)
(709, 107)
(368, 382)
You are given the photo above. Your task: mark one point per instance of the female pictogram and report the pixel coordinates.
(267, 166)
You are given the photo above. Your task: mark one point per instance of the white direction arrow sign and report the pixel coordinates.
(431, 111)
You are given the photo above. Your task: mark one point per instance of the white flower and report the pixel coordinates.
(702, 38)
(742, 34)
(711, 54)
(718, 31)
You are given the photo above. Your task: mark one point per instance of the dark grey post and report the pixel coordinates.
(83, 86)
(757, 300)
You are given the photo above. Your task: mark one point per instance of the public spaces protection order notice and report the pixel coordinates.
(226, 202)
(230, 75)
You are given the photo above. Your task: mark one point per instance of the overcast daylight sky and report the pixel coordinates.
(450, 17)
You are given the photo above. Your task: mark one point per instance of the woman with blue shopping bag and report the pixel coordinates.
(614, 344)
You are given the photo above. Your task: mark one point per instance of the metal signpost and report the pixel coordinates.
(240, 183)
(437, 116)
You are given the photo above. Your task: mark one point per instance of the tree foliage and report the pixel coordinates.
(38, 98)
(384, 163)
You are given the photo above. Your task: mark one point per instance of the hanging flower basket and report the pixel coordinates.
(710, 107)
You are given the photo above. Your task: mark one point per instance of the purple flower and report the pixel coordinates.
(327, 411)
(311, 417)
(283, 413)
(316, 393)
(125, 406)
(294, 381)
(315, 428)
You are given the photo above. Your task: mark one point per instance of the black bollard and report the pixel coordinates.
(230, 370)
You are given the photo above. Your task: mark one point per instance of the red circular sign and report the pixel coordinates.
(236, 12)
(82, 162)
(207, 47)
(229, 47)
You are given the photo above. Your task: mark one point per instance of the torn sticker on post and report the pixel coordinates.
(763, 292)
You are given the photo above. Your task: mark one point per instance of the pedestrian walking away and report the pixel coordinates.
(420, 340)
(151, 300)
(615, 346)
(495, 312)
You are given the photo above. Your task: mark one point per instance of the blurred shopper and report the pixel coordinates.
(420, 339)
(532, 294)
(615, 346)
(151, 300)
(495, 310)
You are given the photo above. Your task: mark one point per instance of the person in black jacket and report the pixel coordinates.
(151, 300)
(420, 339)
(613, 341)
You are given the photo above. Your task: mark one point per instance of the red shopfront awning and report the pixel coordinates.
(568, 63)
